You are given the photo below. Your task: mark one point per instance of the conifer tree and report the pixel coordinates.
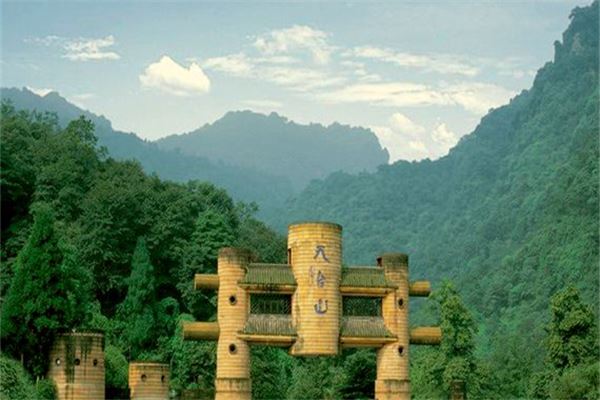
(137, 313)
(49, 294)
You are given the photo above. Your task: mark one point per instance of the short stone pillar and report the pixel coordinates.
(77, 366)
(148, 381)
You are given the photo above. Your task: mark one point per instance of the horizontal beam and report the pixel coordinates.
(206, 281)
(259, 288)
(268, 340)
(365, 291)
(200, 330)
(351, 341)
(419, 288)
(428, 335)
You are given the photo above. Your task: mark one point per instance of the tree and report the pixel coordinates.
(571, 351)
(49, 293)
(137, 313)
(455, 357)
(572, 335)
(212, 231)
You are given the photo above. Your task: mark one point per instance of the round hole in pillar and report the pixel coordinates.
(144, 377)
(57, 361)
(162, 378)
(95, 362)
(400, 303)
(232, 348)
(232, 300)
(77, 361)
(401, 350)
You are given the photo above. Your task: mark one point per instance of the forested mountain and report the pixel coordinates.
(510, 214)
(245, 183)
(272, 144)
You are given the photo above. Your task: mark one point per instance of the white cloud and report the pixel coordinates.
(405, 125)
(235, 64)
(300, 79)
(394, 94)
(39, 91)
(440, 63)
(80, 99)
(442, 135)
(90, 49)
(169, 76)
(80, 49)
(474, 97)
(298, 37)
(407, 140)
(270, 69)
(399, 146)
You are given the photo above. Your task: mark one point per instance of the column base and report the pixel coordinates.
(233, 389)
(392, 389)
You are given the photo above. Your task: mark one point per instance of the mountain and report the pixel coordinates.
(277, 146)
(245, 184)
(510, 214)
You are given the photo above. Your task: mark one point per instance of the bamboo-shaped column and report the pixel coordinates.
(392, 359)
(233, 355)
(315, 251)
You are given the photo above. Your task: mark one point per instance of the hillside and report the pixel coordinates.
(510, 214)
(244, 184)
(275, 145)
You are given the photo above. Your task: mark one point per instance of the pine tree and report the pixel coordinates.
(49, 293)
(137, 313)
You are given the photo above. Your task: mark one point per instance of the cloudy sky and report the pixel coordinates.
(420, 74)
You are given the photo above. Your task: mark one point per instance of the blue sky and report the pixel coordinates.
(420, 74)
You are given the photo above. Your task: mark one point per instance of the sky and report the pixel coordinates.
(420, 74)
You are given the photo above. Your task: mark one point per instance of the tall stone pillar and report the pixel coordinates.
(233, 354)
(392, 359)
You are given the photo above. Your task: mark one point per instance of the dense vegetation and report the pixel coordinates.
(510, 215)
(93, 243)
(272, 144)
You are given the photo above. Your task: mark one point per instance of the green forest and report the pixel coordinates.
(505, 226)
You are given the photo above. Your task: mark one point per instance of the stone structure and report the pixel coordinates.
(148, 381)
(77, 366)
(312, 306)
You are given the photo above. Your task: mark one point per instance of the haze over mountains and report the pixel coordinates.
(255, 157)
(274, 145)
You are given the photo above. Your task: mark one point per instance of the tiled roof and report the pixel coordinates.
(364, 277)
(269, 274)
(364, 327)
(269, 324)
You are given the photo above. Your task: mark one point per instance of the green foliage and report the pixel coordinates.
(49, 293)
(192, 364)
(45, 389)
(117, 368)
(270, 372)
(141, 318)
(579, 382)
(572, 332)
(316, 378)
(15, 384)
(572, 368)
